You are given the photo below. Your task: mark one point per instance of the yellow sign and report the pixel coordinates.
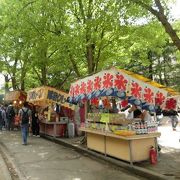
(105, 118)
(15, 95)
(48, 95)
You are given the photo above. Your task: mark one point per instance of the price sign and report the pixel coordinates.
(105, 118)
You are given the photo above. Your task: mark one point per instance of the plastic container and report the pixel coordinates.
(71, 130)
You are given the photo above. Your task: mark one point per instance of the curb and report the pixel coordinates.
(5, 174)
(133, 168)
(16, 174)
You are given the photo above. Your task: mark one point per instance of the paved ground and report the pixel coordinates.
(168, 160)
(169, 157)
(45, 160)
(4, 172)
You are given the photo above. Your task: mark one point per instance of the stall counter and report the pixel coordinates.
(128, 148)
(55, 129)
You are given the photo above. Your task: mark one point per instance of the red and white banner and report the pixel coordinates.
(120, 81)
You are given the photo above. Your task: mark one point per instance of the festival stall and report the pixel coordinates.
(53, 109)
(111, 133)
(16, 98)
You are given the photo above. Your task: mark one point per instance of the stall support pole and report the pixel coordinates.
(130, 152)
(45, 128)
(105, 145)
(54, 130)
(156, 146)
(86, 109)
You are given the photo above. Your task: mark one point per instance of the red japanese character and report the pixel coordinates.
(83, 88)
(97, 83)
(124, 103)
(136, 90)
(159, 99)
(171, 103)
(89, 86)
(95, 101)
(76, 91)
(106, 103)
(148, 95)
(120, 82)
(107, 80)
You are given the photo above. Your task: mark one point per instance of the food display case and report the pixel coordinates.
(114, 135)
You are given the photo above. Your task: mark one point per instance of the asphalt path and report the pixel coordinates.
(45, 160)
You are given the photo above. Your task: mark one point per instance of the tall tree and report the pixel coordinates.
(159, 9)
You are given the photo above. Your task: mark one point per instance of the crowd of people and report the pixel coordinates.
(25, 118)
(7, 115)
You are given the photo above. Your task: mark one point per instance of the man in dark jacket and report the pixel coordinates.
(10, 116)
(25, 119)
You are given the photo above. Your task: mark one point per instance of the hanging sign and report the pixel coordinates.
(47, 95)
(119, 83)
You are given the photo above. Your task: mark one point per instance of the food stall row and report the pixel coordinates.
(110, 132)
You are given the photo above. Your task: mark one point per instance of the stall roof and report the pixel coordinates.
(123, 84)
(171, 91)
(151, 82)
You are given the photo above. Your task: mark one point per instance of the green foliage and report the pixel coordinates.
(50, 42)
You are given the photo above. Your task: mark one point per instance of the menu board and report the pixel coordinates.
(56, 96)
(47, 95)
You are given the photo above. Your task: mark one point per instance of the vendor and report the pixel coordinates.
(131, 112)
(143, 115)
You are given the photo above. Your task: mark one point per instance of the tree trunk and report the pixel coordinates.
(23, 75)
(162, 18)
(13, 80)
(160, 72)
(14, 70)
(150, 74)
(44, 65)
(74, 65)
(6, 83)
(168, 28)
(165, 74)
(90, 58)
(43, 75)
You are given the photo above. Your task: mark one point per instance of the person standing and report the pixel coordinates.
(25, 119)
(10, 116)
(131, 112)
(143, 115)
(174, 120)
(35, 122)
(1, 118)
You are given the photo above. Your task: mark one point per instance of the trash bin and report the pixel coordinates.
(71, 130)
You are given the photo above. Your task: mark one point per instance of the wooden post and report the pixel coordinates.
(49, 112)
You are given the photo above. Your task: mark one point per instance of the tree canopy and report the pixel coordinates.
(50, 42)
